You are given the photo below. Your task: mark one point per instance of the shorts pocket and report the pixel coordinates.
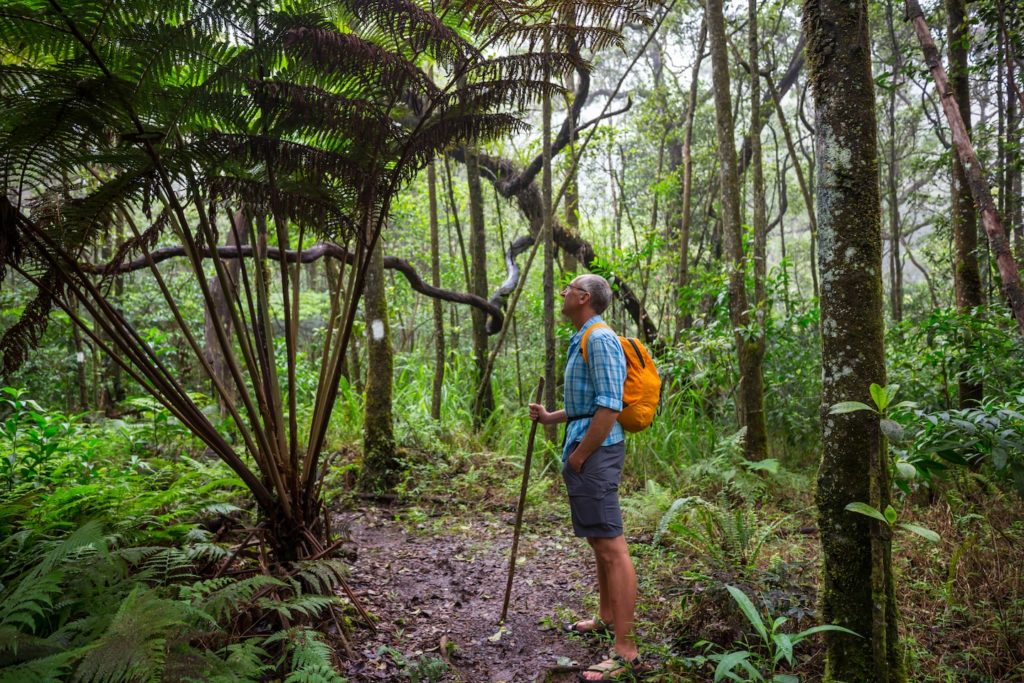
(590, 511)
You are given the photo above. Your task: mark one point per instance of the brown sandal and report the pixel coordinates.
(615, 668)
(600, 626)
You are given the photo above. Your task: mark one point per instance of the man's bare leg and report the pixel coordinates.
(605, 609)
(613, 554)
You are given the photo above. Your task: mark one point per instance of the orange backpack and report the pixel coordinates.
(642, 388)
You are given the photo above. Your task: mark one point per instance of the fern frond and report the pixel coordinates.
(133, 647)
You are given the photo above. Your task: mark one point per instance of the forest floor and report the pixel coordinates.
(437, 587)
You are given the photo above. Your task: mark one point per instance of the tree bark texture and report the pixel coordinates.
(550, 351)
(381, 466)
(478, 271)
(684, 319)
(857, 590)
(218, 313)
(438, 310)
(1013, 290)
(966, 275)
(751, 394)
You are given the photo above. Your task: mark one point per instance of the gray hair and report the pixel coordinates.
(599, 290)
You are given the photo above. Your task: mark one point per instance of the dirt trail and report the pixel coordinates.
(431, 588)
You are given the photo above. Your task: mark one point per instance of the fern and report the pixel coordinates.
(133, 648)
(308, 606)
(311, 660)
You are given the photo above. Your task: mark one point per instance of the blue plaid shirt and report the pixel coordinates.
(594, 384)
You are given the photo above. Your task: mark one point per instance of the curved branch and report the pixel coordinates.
(492, 308)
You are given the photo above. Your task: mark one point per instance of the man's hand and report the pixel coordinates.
(575, 461)
(540, 414)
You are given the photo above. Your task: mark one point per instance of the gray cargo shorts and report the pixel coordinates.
(594, 493)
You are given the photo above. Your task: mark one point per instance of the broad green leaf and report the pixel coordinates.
(783, 647)
(890, 515)
(921, 531)
(819, 629)
(905, 471)
(770, 465)
(849, 407)
(879, 396)
(785, 678)
(749, 611)
(729, 662)
(865, 509)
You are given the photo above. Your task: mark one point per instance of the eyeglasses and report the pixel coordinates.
(571, 286)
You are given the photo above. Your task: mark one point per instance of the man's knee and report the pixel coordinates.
(610, 550)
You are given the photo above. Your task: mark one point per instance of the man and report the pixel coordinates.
(592, 458)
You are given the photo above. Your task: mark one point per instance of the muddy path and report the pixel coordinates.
(436, 585)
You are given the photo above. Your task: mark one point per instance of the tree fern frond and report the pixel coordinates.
(309, 606)
(322, 576)
(20, 338)
(414, 29)
(370, 67)
(134, 645)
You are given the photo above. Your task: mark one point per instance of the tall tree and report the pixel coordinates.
(966, 276)
(751, 394)
(438, 310)
(858, 589)
(478, 270)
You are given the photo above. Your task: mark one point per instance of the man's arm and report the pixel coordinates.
(539, 414)
(600, 425)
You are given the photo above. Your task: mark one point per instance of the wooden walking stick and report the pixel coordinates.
(522, 504)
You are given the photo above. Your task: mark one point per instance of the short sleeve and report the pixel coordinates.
(607, 365)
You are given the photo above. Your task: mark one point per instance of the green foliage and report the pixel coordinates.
(724, 534)
(775, 646)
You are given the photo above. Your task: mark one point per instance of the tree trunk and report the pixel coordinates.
(966, 275)
(381, 466)
(438, 309)
(757, 429)
(478, 269)
(858, 589)
(751, 396)
(1013, 290)
(550, 350)
(684, 318)
(218, 314)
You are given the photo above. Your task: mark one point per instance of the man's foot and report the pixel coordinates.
(593, 625)
(615, 668)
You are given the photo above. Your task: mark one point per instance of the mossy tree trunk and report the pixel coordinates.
(550, 349)
(438, 310)
(478, 270)
(857, 590)
(751, 392)
(967, 277)
(381, 465)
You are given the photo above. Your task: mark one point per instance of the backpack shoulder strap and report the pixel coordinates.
(583, 342)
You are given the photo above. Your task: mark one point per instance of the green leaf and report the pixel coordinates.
(785, 678)
(849, 407)
(905, 471)
(921, 531)
(890, 515)
(892, 430)
(729, 662)
(880, 396)
(865, 509)
(749, 611)
(769, 465)
(819, 629)
(783, 647)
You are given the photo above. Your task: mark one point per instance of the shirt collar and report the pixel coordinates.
(575, 338)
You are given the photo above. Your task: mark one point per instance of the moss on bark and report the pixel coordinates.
(857, 590)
